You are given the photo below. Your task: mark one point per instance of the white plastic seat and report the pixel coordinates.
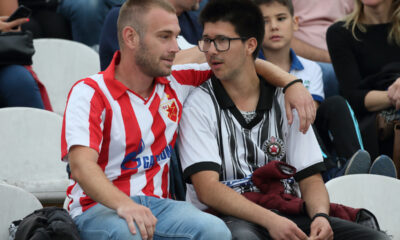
(15, 204)
(30, 152)
(59, 63)
(379, 194)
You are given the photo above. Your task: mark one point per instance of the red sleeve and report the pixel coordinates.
(192, 74)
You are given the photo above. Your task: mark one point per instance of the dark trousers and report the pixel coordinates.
(369, 132)
(337, 128)
(342, 229)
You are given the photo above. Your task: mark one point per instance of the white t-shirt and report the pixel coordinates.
(311, 75)
(215, 136)
(307, 70)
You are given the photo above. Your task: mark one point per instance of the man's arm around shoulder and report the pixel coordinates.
(89, 175)
(297, 96)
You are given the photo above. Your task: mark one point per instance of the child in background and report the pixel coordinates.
(335, 125)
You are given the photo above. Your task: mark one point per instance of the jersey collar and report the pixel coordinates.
(116, 88)
(295, 64)
(264, 104)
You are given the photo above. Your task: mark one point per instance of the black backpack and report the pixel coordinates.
(47, 223)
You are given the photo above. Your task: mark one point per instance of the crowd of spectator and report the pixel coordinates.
(346, 52)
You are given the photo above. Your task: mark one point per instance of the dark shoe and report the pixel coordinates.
(383, 165)
(360, 162)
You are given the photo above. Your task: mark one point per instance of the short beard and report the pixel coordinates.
(147, 63)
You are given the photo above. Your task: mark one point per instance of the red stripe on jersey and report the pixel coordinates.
(158, 128)
(164, 181)
(103, 157)
(191, 76)
(64, 145)
(133, 146)
(69, 191)
(95, 131)
(86, 203)
(171, 92)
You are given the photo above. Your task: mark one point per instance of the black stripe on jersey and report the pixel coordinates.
(311, 170)
(263, 136)
(278, 116)
(237, 170)
(207, 87)
(228, 113)
(198, 167)
(250, 152)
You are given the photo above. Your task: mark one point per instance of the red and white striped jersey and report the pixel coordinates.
(133, 136)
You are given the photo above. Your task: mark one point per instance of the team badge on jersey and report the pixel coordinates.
(274, 148)
(170, 109)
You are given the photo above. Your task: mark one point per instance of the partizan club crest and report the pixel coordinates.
(274, 148)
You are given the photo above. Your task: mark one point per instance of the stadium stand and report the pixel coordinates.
(30, 153)
(16, 203)
(59, 63)
(379, 194)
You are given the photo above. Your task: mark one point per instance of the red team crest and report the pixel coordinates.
(170, 109)
(274, 148)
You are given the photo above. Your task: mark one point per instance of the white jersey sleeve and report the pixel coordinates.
(197, 142)
(83, 123)
(303, 151)
(312, 78)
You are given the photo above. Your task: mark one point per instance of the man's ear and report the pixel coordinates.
(251, 45)
(130, 37)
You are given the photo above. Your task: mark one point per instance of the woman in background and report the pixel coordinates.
(365, 53)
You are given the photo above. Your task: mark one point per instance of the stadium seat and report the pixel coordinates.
(30, 152)
(16, 203)
(59, 63)
(379, 194)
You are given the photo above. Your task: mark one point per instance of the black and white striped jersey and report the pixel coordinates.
(214, 135)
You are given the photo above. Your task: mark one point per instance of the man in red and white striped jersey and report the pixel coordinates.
(119, 129)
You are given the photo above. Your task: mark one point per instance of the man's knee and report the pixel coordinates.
(19, 79)
(243, 232)
(213, 228)
(100, 223)
(343, 229)
(241, 229)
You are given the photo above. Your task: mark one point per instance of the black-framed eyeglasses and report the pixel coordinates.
(221, 43)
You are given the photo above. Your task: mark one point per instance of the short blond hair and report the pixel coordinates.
(132, 13)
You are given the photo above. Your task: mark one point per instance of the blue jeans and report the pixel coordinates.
(331, 84)
(87, 17)
(18, 88)
(175, 220)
